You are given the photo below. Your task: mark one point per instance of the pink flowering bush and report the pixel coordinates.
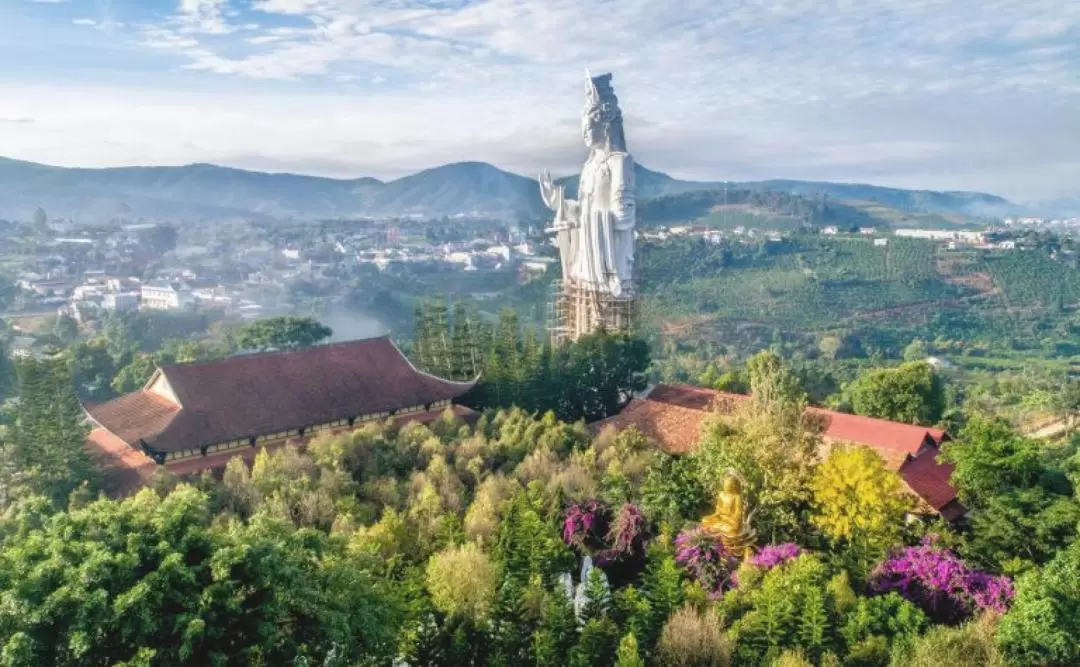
(706, 561)
(626, 537)
(776, 554)
(586, 524)
(936, 580)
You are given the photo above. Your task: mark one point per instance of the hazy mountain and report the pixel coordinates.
(202, 191)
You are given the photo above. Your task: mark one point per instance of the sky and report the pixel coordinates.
(937, 94)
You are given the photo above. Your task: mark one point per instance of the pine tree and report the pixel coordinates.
(597, 597)
(627, 654)
(557, 633)
(814, 622)
(439, 338)
(597, 644)
(47, 452)
(530, 360)
(662, 587)
(511, 630)
(462, 352)
(421, 356)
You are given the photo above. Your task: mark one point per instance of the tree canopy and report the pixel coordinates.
(288, 331)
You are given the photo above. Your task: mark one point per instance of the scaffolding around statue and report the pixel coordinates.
(574, 311)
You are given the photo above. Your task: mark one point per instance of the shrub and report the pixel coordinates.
(1043, 624)
(586, 524)
(970, 645)
(775, 554)
(462, 582)
(792, 658)
(941, 584)
(691, 638)
(706, 560)
(626, 536)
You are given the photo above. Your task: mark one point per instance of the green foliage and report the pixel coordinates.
(590, 378)
(46, 455)
(627, 654)
(557, 632)
(113, 581)
(1043, 624)
(135, 375)
(911, 393)
(970, 645)
(597, 644)
(1024, 505)
(989, 457)
(288, 331)
(887, 618)
(673, 491)
(792, 608)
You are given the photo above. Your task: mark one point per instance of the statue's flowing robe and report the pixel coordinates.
(604, 257)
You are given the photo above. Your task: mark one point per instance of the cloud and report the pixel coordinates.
(17, 121)
(946, 94)
(203, 17)
(86, 22)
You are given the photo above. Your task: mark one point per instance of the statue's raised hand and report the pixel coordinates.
(549, 192)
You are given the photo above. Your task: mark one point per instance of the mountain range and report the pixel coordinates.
(210, 192)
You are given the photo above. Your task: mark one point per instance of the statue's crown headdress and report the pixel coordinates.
(600, 101)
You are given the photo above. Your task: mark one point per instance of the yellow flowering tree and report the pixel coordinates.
(859, 502)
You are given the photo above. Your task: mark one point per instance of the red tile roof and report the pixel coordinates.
(674, 427)
(259, 394)
(929, 479)
(122, 469)
(672, 416)
(880, 434)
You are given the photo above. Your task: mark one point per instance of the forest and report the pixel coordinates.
(524, 538)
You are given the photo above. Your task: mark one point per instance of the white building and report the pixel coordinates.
(166, 295)
(942, 235)
(120, 301)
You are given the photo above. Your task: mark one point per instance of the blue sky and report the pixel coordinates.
(942, 94)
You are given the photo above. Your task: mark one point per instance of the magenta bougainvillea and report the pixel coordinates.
(775, 554)
(935, 579)
(627, 535)
(706, 561)
(586, 524)
(591, 527)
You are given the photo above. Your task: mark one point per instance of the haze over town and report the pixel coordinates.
(958, 95)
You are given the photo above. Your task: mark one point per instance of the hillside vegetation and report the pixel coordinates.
(874, 299)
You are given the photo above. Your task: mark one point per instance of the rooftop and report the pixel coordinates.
(673, 415)
(186, 406)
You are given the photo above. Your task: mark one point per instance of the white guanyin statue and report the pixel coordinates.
(595, 232)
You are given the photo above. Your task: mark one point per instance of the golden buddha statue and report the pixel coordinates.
(730, 521)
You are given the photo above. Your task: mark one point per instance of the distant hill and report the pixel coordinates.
(209, 192)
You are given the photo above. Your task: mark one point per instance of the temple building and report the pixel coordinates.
(191, 417)
(672, 416)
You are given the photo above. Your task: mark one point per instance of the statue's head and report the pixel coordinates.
(601, 120)
(732, 484)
